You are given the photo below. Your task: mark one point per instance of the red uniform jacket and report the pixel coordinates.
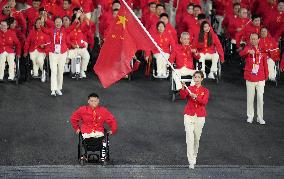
(9, 40)
(21, 21)
(276, 24)
(270, 47)
(91, 34)
(87, 5)
(78, 35)
(93, 120)
(245, 33)
(259, 58)
(195, 106)
(183, 56)
(189, 24)
(223, 7)
(230, 24)
(182, 8)
(31, 14)
(164, 40)
(105, 20)
(35, 39)
(215, 47)
(55, 34)
(264, 8)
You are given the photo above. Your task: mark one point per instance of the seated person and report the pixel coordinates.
(9, 48)
(270, 48)
(183, 56)
(209, 48)
(90, 119)
(167, 43)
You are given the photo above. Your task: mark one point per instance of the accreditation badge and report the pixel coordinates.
(57, 48)
(255, 68)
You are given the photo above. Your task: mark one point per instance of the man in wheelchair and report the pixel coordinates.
(89, 121)
(183, 56)
(9, 48)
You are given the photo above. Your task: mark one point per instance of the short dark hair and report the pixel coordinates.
(57, 17)
(254, 16)
(198, 6)
(93, 95)
(190, 4)
(164, 15)
(115, 1)
(150, 3)
(160, 22)
(161, 5)
(69, 1)
(200, 73)
(201, 16)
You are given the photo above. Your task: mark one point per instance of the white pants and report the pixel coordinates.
(38, 60)
(83, 52)
(9, 57)
(193, 130)
(57, 62)
(93, 134)
(271, 69)
(251, 87)
(213, 57)
(161, 63)
(182, 72)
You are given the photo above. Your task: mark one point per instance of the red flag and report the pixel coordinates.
(124, 38)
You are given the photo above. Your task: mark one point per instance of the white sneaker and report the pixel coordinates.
(83, 74)
(191, 166)
(211, 75)
(260, 121)
(250, 119)
(53, 93)
(43, 76)
(58, 92)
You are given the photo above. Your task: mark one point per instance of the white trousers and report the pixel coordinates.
(182, 72)
(83, 52)
(213, 57)
(161, 63)
(93, 134)
(38, 60)
(251, 87)
(193, 130)
(9, 57)
(271, 69)
(57, 62)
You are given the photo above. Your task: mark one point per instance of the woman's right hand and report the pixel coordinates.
(183, 85)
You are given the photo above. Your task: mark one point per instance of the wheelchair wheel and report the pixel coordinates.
(17, 71)
(47, 69)
(173, 96)
(218, 77)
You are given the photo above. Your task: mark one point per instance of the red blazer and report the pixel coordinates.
(183, 56)
(31, 14)
(78, 35)
(63, 31)
(202, 47)
(164, 40)
(35, 39)
(9, 40)
(92, 120)
(270, 47)
(182, 8)
(195, 106)
(244, 35)
(260, 59)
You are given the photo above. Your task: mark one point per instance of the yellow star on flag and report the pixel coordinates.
(122, 20)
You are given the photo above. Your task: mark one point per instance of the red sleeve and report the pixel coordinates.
(244, 52)
(27, 43)
(22, 22)
(203, 99)
(85, 27)
(219, 47)
(282, 63)
(71, 27)
(173, 56)
(111, 121)
(183, 93)
(75, 118)
(17, 44)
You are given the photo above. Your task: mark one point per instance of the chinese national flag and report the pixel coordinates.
(124, 38)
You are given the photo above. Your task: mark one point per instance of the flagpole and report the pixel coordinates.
(154, 42)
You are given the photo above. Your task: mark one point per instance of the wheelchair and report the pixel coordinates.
(96, 149)
(208, 64)
(46, 69)
(153, 69)
(16, 69)
(173, 91)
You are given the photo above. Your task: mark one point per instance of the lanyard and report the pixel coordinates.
(60, 38)
(259, 56)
